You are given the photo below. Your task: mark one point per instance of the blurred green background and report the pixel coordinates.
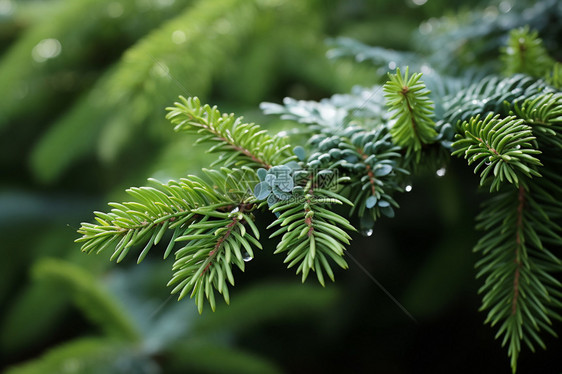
(83, 87)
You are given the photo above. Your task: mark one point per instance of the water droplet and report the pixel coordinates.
(235, 210)
(518, 146)
(488, 163)
(246, 257)
(392, 65)
(408, 188)
(441, 172)
(419, 2)
(46, 49)
(367, 232)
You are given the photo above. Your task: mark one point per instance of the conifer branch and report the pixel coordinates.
(502, 147)
(522, 226)
(213, 216)
(544, 114)
(216, 242)
(501, 125)
(492, 94)
(239, 142)
(520, 293)
(371, 160)
(407, 99)
(525, 54)
(364, 106)
(311, 232)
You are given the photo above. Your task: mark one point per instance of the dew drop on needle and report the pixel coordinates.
(246, 257)
(367, 232)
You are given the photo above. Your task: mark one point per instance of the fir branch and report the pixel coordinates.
(170, 206)
(371, 161)
(312, 233)
(381, 174)
(406, 98)
(519, 291)
(347, 47)
(525, 54)
(210, 216)
(544, 114)
(470, 39)
(241, 143)
(362, 106)
(502, 147)
(216, 242)
(492, 94)
(522, 225)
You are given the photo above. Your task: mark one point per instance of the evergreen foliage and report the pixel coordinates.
(89, 82)
(502, 147)
(115, 105)
(473, 39)
(525, 53)
(411, 109)
(508, 127)
(235, 139)
(212, 216)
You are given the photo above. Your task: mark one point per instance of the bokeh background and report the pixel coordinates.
(83, 90)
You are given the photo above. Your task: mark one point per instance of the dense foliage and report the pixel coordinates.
(481, 85)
